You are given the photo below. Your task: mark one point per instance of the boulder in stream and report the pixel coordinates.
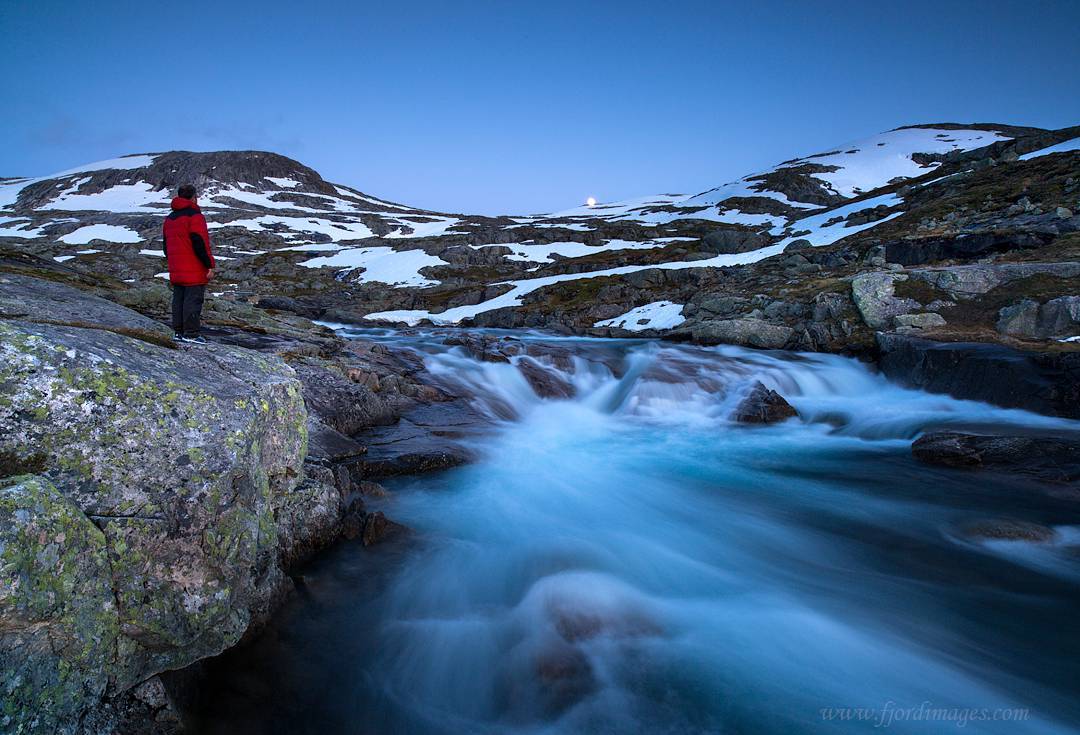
(1051, 459)
(763, 406)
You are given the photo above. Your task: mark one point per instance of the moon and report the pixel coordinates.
(590, 202)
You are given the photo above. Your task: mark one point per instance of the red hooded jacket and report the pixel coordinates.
(187, 244)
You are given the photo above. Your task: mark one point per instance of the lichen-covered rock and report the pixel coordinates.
(875, 296)
(1029, 319)
(166, 503)
(926, 320)
(58, 618)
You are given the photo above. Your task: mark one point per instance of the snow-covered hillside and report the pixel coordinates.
(810, 183)
(260, 203)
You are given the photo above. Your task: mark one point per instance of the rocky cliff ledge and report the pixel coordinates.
(152, 499)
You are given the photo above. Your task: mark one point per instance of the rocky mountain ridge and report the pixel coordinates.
(325, 250)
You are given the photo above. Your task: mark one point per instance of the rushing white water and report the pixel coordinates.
(630, 561)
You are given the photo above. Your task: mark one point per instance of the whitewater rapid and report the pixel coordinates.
(629, 560)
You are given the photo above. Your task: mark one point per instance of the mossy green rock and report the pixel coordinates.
(149, 537)
(59, 619)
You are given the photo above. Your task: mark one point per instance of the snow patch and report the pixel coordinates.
(9, 192)
(542, 252)
(299, 226)
(435, 228)
(120, 198)
(21, 231)
(383, 264)
(109, 233)
(822, 234)
(657, 315)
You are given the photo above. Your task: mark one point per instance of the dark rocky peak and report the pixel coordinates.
(273, 176)
(259, 170)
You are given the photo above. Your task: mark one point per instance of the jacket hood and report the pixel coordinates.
(181, 203)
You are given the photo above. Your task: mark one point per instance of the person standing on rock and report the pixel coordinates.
(191, 263)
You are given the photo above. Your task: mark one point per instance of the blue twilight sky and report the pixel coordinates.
(494, 107)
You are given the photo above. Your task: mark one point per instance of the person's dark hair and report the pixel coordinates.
(186, 191)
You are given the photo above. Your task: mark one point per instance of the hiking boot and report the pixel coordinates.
(198, 339)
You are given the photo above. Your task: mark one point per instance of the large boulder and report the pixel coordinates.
(1029, 319)
(875, 297)
(59, 618)
(163, 503)
(733, 241)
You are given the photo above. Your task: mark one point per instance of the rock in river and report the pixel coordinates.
(1052, 459)
(763, 406)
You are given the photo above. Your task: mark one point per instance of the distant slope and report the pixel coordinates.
(274, 218)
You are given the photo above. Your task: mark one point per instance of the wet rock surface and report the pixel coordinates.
(1044, 382)
(1049, 458)
(763, 405)
(1007, 529)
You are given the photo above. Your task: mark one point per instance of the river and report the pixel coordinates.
(630, 561)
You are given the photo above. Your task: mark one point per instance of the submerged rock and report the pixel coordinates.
(377, 528)
(1007, 529)
(1053, 459)
(545, 382)
(763, 406)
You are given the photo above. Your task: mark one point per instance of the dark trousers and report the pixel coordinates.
(187, 304)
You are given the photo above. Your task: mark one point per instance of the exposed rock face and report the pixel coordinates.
(167, 490)
(874, 296)
(968, 281)
(1053, 459)
(1057, 318)
(748, 332)
(1044, 382)
(963, 246)
(23, 296)
(763, 406)
(733, 241)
